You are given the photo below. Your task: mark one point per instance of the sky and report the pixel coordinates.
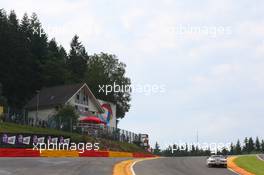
(204, 60)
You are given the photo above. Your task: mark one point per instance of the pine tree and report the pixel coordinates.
(250, 145)
(176, 150)
(157, 148)
(186, 151)
(224, 151)
(3, 101)
(54, 71)
(3, 49)
(246, 146)
(258, 146)
(262, 146)
(193, 150)
(63, 53)
(238, 148)
(25, 26)
(12, 19)
(15, 65)
(29, 62)
(77, 61)
(39, 44)
(232, 149)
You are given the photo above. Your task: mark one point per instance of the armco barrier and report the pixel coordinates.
(18, 152)
(94, 154)
(22, 152)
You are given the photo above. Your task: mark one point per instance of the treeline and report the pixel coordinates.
(249, 146)
(30, 61)
(181, 150)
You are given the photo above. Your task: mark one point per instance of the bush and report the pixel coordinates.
(66, 118)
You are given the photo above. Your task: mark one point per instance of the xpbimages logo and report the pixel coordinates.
(80, 147)
(146, 89)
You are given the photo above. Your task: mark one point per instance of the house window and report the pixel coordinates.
(77, 96)
(85, 100)
(86, 109)
(76, 107)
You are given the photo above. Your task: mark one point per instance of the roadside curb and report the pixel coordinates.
(17, 152)
(260, 158)
(126, 167)
(233, 167)
(22, 152)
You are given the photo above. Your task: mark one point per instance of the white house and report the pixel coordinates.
(48, 101)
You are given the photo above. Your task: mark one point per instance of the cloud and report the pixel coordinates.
(130, 19)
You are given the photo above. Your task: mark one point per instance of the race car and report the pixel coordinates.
(216, 160)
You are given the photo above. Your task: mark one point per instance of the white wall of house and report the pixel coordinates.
(83, 102)
(43, 114)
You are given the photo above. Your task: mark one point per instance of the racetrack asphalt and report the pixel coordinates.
(104, 166)
(58, 166)
(178, 166)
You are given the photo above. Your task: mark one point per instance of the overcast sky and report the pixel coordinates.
(208, 56)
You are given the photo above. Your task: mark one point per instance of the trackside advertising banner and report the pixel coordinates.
(28, 140)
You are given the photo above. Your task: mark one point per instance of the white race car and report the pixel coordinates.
(216, 160)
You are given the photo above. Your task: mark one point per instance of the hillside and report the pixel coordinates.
(104, 143)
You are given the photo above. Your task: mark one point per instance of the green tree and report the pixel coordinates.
(167, 152)
(106, 70)
(238, 149)
(66, 118)
(175, 151)
(186, 151)
(15, 66)
(12, 19)
(54, 70)
(25, 27)
(224, 151)
(251, 145)
(29, 62)
(156, 149)
(262, 146)
(3, 101)
(39, 39)
(246, 146)
(258, 146)
(77, 61)
(232, 149)
(193, 150)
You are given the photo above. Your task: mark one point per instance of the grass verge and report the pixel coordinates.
(104, 143)
(251, 164)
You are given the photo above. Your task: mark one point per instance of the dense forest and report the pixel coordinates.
(248, 146)
(30, 61)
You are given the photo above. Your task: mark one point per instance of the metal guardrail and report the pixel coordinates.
(103, 131)
(94, 130)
